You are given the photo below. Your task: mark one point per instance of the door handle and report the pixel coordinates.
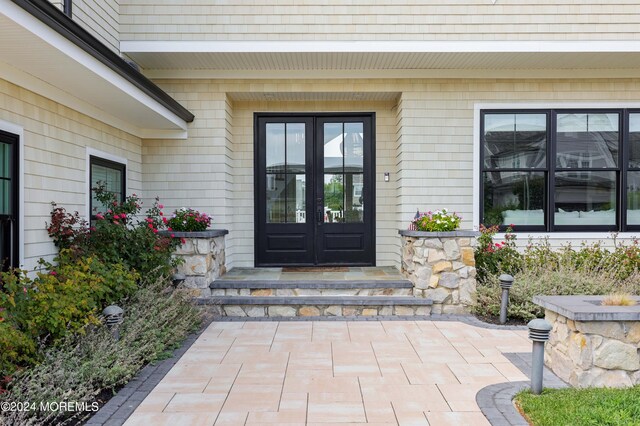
(320, 216)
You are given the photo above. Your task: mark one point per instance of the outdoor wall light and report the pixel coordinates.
(113, 317)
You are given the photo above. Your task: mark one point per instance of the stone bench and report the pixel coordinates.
(592, 344)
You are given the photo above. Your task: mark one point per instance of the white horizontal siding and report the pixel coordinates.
(380, 20)
(55, 142)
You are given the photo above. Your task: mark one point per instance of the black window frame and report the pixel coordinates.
(12, 220)
(99, 161)
(551, 169)
(544, 170)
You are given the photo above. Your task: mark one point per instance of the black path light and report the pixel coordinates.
(113, 317)
(178, 279)
(539, 331)
(506, 281)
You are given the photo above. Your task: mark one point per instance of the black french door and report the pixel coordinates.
(314, 189)
(8, 200)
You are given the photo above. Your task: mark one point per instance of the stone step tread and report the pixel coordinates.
(222, 283)
(316, 300)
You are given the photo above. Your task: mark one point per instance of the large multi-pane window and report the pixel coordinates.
(111, 176)
(8, 201)
(555, 170)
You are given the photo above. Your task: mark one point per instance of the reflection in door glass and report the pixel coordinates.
(286, 164)
(333, 147)
(353, 184)
(333, 198)
(296, 196)
(276, 198)
(295, 148)
(275, 147)
(353, 147)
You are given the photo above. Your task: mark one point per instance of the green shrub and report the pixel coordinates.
(85, 365)
(53, 304)
(563, 272)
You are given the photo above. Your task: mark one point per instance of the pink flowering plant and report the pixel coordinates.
(496, 257)
(189, 220)
(118, 234)
(437, 221)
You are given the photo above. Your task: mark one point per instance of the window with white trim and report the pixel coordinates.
(560, 169)
(111, 175)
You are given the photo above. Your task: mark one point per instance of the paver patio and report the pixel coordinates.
(307, 373)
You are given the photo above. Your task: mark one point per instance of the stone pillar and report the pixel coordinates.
(203, 258)
(441, 266)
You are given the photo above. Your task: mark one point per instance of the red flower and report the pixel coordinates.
(160, 206)
(99, 216)
(173, 235)
(182, 240)
(53, 273)
(155, 231)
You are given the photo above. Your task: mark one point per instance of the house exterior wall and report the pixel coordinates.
(380, 20)
(425, 140)
(55, 140)
(101, 18)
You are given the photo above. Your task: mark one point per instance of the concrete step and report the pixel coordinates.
(317, 306)
(288, 288)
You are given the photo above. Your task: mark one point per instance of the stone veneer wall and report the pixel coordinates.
(441, 266)
(594, 353)
(204, 259)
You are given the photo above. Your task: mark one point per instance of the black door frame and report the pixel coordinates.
(369, 173)
(10, 223)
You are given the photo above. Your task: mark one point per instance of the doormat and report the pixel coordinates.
(315, 269)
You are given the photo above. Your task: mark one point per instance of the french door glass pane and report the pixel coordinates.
(585, 198)
(515, 141)
(333, 197)
(353, 147)
(333, 147)
(295, 148)
(353, 184)
(275, 147)
(276, 198)
(634, 140)
(633, 198)
(296, 193)
(514, 198)
(587, 141)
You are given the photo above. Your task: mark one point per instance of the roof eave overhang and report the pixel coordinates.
(46, 52)
(386, 59)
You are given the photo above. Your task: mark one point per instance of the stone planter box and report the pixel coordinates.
(591, 344)
(204, 259)
(441, 266)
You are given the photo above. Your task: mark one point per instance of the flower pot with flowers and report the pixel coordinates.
(438, 258)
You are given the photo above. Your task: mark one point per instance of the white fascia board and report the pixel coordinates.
(389, 73)
(127, 46)
(60, 43)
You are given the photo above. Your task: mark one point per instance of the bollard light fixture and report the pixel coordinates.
(113, 317)
(539, 331)
(178, 279)
(506, 281)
